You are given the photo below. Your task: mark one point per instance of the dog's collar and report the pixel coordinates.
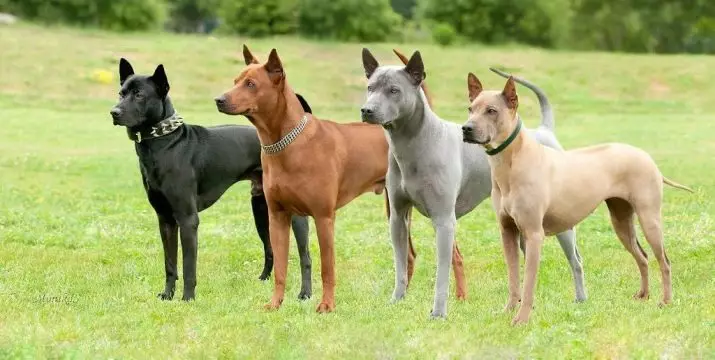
(493, 151)
(287, 139)
(164, 127)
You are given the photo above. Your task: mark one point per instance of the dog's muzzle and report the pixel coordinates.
(116, 115)
(368, 115)
(468, 136)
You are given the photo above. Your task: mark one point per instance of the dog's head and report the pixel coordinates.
(393, 92)
(492, 114)
(256, 89)
(142, 98)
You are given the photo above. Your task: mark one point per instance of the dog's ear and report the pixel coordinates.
(248, 57)
(474, 86)
(509, 93)
(304, 104)
(160, 80)
(125, 70)
(416, 68)
(369, 62)
(274, 67)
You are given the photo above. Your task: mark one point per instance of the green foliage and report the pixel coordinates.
(108, 14)
(645, 25)
(490, 21)
(404, 7)
(444, 34)
(189, 15)
(259, 17)
(348, 20)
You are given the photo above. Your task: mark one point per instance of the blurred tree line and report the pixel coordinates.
(663, 26)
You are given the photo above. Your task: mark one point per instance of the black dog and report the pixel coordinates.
(186, 168)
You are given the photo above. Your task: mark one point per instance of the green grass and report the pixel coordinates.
(81, 260)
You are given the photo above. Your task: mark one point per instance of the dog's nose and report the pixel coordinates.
(366, 111)
(467, 129)
(115, 113)
(220, 101)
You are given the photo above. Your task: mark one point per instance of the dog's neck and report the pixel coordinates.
(274, 123)
(503, 163)
(410, 125)
(167, 111)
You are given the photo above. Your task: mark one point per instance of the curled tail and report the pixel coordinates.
(404, 60)
(676, 185)
(547, 114)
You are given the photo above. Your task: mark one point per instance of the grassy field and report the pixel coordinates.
(81, 260)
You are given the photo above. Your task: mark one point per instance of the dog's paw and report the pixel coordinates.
(519, 320)
(438, 315)
(264, 276)
(641, 295)
(664, 303)
(188, 297)
(273, 305)
(511, 304)
(304, 295)
(325, 307)
(166, 295)
(461, 295)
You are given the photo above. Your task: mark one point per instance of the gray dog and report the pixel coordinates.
(423, 171)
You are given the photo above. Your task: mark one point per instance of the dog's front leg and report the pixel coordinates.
(279, 223)
(189, 226)
(534, 240)
(399, 233)
(510, 239)
(325, 225)
(169, 231)
(445, 228)
(300, 230)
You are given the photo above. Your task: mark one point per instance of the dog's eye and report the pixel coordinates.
(369, 88)
(250, 84)
(394, 90)
(469, 110)
(491, 111)
(139, 94)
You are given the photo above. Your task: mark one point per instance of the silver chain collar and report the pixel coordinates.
(287, 139)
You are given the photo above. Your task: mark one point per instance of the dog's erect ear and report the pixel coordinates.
(509, 93)
(274, 67)
(474, 86)
(416, 68)
(248, 57)
(125, 70)
(369, 62)
(162, 83)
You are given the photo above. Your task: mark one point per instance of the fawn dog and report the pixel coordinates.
(537, 191)
(311, 167)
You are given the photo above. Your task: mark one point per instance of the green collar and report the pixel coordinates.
(506, 142)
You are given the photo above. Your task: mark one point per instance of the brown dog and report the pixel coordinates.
(540, 192)
(312, 167)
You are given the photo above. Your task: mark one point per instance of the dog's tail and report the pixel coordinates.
(547, 114)
(405, 60)
(676, 185)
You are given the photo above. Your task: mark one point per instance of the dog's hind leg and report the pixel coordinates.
(458, 269)
(567, 240)
(260, 218)
(650, 219)
(622, 219)
(300, 230)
